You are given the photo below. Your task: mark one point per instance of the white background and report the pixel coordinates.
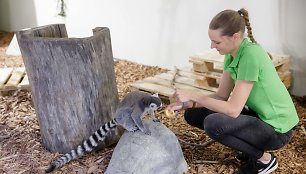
(165, 33)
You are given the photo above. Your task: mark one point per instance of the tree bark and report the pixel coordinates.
(72, 82)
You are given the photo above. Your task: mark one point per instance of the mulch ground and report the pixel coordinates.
(21, 150)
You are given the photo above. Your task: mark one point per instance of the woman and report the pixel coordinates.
(252, 111)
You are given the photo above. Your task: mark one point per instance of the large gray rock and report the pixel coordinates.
(138, 153)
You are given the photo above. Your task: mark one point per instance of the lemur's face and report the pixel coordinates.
(154, 106)
(156, 103)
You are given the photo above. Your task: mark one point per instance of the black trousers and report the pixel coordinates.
(246, 133)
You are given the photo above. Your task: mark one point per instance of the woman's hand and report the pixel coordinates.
(184, 96)
(176, 106)
(182, 100)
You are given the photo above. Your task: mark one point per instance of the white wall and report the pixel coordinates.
(166, 32)
(17, 14)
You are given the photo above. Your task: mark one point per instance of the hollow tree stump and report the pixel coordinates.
(72, 82)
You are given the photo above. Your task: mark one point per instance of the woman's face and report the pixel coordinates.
(223, 44)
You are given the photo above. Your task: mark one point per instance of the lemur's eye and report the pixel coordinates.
(152, 105)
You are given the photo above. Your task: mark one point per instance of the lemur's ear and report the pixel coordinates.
(155, 95)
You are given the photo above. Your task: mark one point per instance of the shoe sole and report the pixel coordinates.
(268, 169)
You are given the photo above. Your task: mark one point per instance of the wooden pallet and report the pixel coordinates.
(208, 61)
(286, 78)
(211, 62)
(204, 76)
(209, 65)
(13, 79)
(281, 62)
(162, 84)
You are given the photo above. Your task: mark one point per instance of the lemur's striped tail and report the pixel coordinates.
(87, 146)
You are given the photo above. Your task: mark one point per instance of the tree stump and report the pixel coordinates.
(72, 82)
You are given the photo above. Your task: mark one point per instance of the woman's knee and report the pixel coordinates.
(215, 125)
(188, 116)
(210, 126)
(193, 118)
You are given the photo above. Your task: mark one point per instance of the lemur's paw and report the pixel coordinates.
(135, 129)
(147, 132)
(156, 120)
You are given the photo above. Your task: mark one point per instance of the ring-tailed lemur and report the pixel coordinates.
(129, 115)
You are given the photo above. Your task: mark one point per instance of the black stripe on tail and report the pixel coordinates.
(86, 146)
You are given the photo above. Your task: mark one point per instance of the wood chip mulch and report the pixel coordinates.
(21, 150)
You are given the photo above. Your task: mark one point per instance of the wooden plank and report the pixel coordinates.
(211, 62)
(15, 78)
(208, 83)
(24, 84)
(154, 88)
(217, 75)
(213, 75)
(205, 76)
(279, 61)
(207, 61)
(188, 73)
(287, 82)
(286, 78)
(282, 64)
(167, 83)
(206, 65)
(215, 57)
(185, 80)
(5, 74)
(280, 56)
(155, 85)
(209, 56)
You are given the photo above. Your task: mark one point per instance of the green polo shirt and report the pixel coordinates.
(269, 97)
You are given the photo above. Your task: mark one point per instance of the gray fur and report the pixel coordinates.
(129, 115)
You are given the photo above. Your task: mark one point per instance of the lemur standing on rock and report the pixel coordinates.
(129, 115)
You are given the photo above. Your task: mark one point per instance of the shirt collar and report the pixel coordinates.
(236, 59)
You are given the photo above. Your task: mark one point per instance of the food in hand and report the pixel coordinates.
(169, 113)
